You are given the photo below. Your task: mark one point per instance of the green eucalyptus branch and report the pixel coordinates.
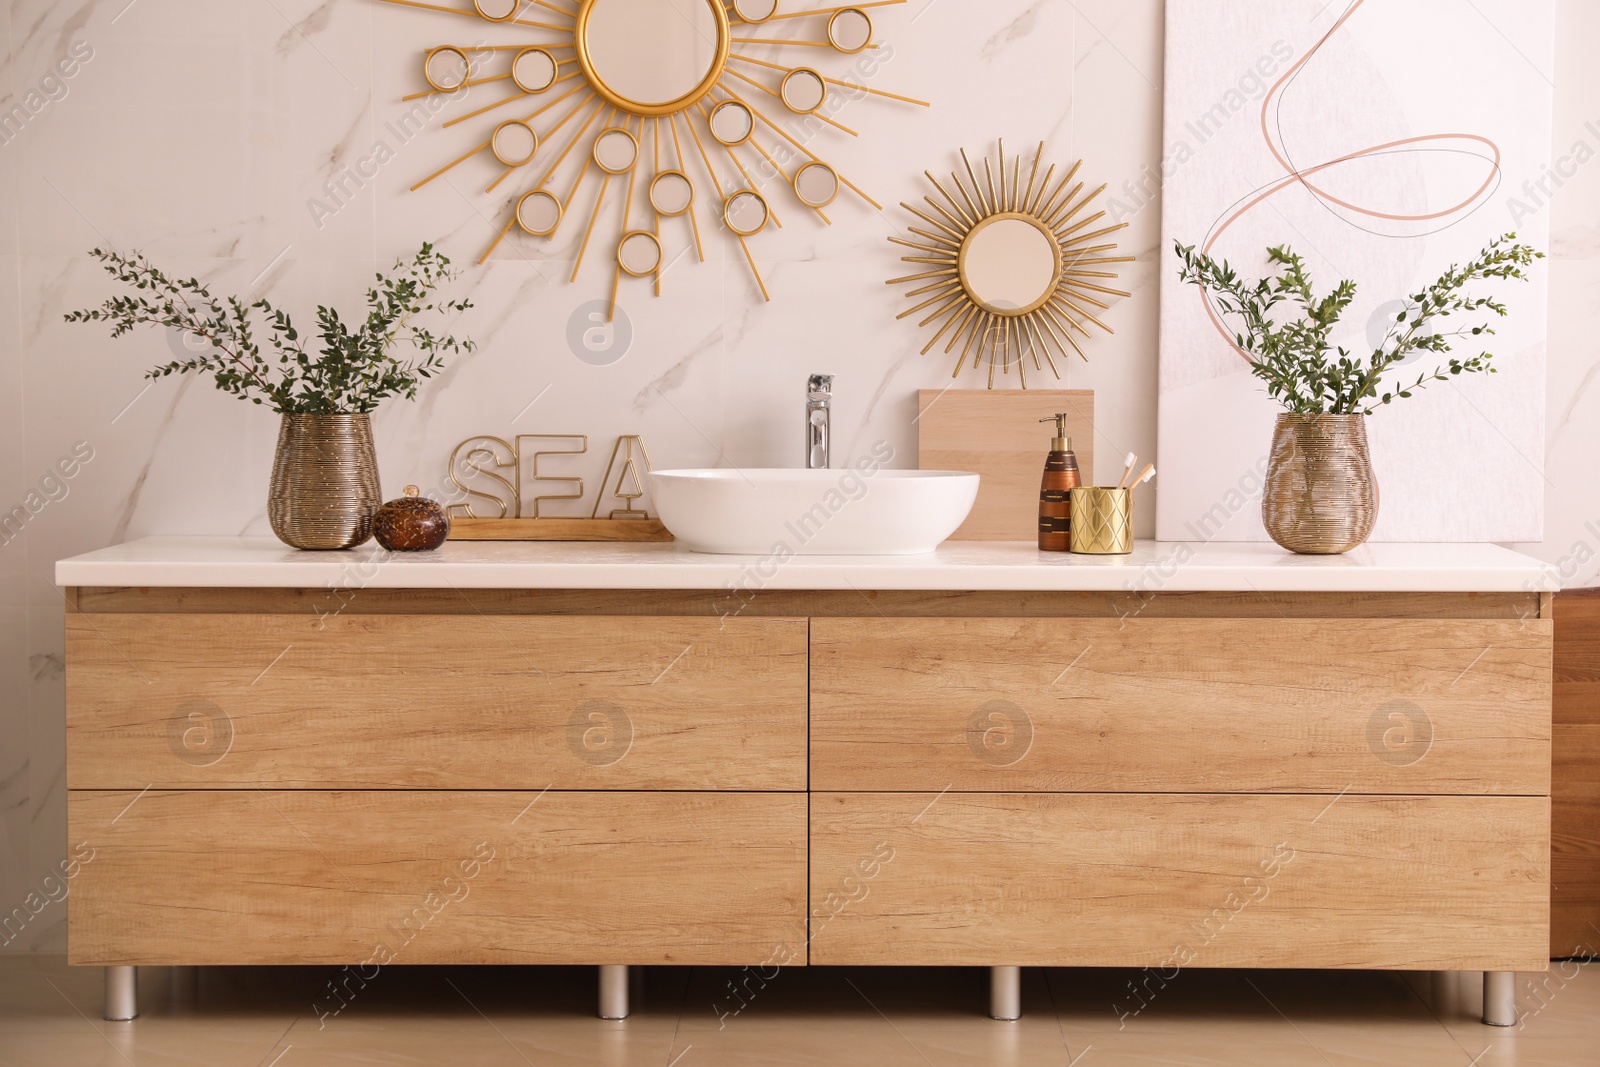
(353, 372)
(1296, 358)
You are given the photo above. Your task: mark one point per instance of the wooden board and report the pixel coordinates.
(800, 603)
(998, 436)
(1410, 883)
(1575, 785)
(466, 529)
(310, 877)
(1180, 705)
(406, 701)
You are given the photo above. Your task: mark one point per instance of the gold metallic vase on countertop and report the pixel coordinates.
(324, 490)
(1321, 497)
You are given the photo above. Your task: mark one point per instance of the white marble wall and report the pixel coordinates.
(199, 131)
(1572, 441)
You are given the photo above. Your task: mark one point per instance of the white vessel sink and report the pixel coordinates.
(808, 512)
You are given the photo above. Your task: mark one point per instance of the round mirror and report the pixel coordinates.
(816, 184)
(731, 123)
(755, 10)
(496, 10)
(652, 57)
(639, 252)
(539, 213)
(802, 90)
(615, 150)
(850, 30)
(446, 68)
(671, 193)
(514, 143)
(533, 70)
(745, 212)
(1009, 264)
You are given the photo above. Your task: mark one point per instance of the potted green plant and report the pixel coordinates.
(1321, 497)
(324, 490)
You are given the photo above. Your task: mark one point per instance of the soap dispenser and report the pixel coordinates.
(1055, 490)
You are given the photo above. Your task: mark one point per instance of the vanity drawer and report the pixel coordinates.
(316, 877)
(441, 702)
(1120, 880)
(1181, 705)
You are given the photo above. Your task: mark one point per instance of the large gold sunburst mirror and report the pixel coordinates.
(668, 100)
(1010, 265)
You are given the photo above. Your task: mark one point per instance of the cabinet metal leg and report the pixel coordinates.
(614, 992)
(122, 993)
(1005, 993)
(1499, 998)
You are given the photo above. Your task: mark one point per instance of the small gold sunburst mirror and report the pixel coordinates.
(1012, 265)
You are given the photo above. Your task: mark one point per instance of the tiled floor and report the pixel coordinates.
(883, 1017)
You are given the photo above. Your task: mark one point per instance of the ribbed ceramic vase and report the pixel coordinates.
(324, 490)
(1321, 497)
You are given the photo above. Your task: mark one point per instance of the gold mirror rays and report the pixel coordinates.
(497, 10)
(731, 123)
(533, 70)
(816, 185)
(669, 97)
(639, 253)
(539, 213)
(446, 68)
(671, 193)
(850, 30)
(514, 142)
(802, 90)
(755, 10)
(1008, 264)
(616, 150)
(746, 213)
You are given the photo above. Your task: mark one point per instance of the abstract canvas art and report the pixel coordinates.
(1384, 140)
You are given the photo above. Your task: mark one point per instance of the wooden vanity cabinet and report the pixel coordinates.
(265, 785)
(1067, 779)
(315, 876)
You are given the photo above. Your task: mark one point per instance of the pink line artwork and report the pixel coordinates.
(1295, 176)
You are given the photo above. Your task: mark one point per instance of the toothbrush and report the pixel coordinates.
(1144, 476)
(1127, 469)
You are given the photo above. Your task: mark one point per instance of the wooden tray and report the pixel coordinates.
(558, 530)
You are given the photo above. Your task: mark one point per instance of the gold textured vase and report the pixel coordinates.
(324, 490)
(1321, 497)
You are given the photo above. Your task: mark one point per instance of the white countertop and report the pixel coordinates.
(245, 562)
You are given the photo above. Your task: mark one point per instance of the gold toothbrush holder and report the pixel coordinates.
(1102, 520)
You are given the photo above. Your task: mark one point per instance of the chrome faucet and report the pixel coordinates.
(819, 400)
